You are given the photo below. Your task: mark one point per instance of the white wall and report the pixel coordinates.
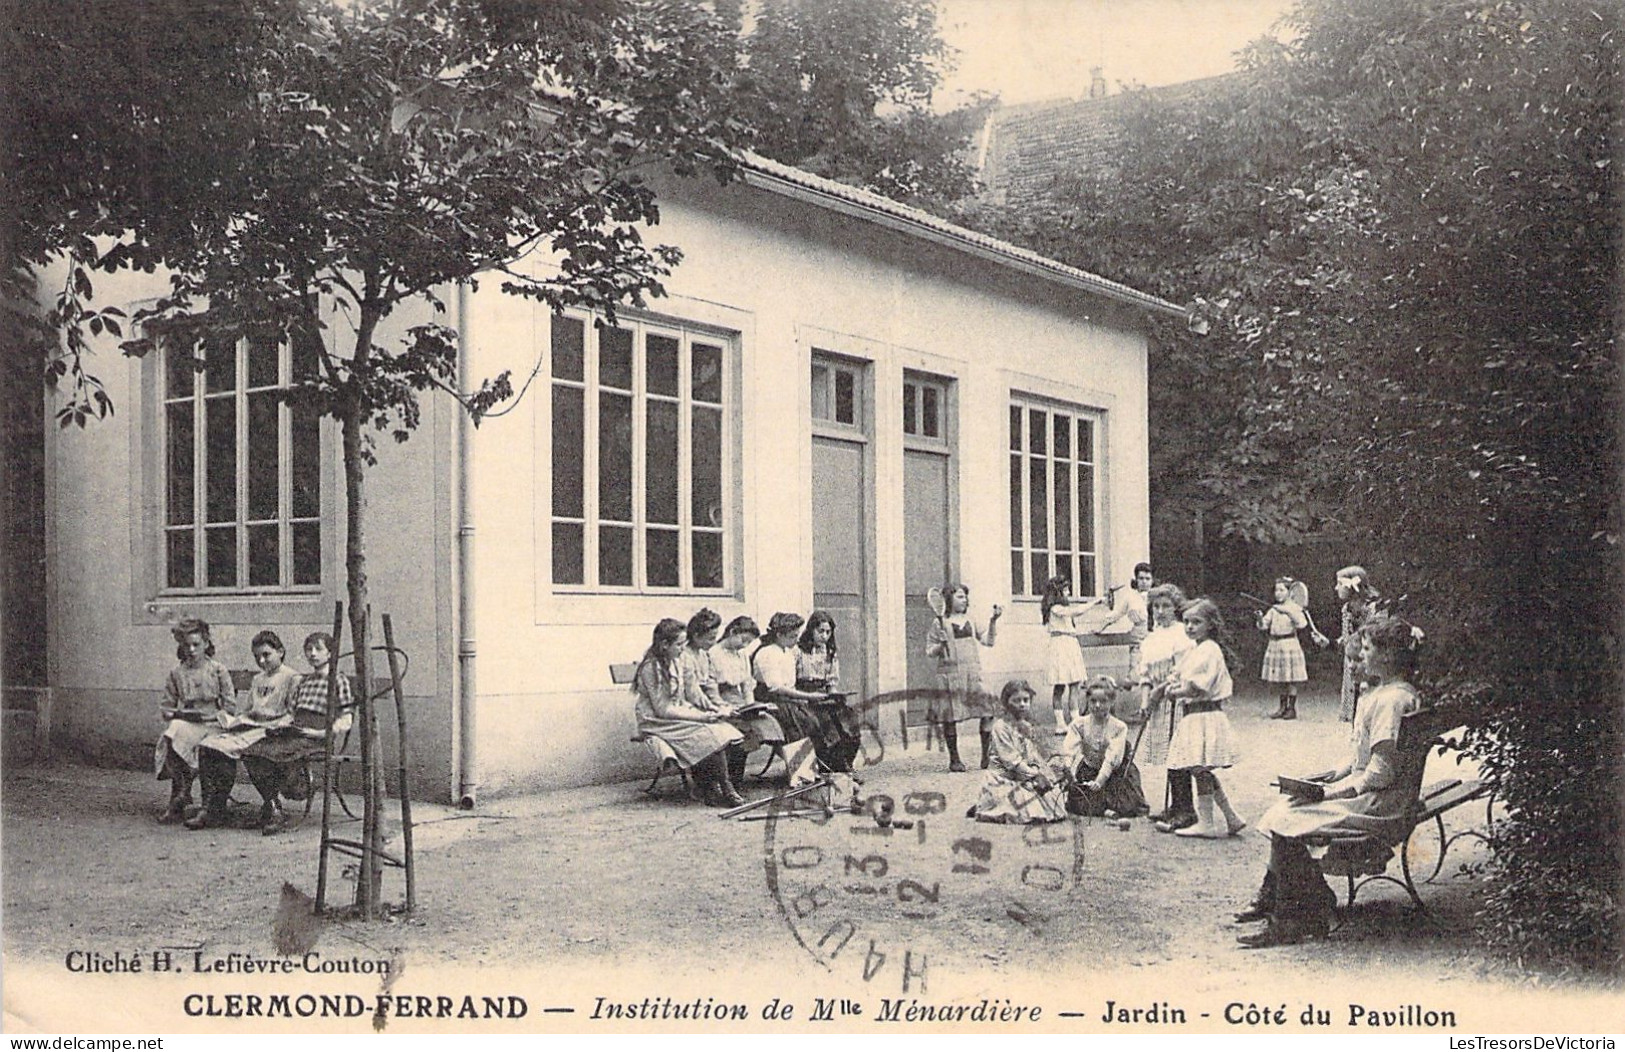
(788, 277)
(110, 643)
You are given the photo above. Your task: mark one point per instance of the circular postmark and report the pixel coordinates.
(875, 874)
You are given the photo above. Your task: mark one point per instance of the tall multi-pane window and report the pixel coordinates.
(1054, 483)
(639, 421)
(242, 470)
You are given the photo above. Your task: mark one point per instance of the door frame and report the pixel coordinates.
(821, 350)
(946, 445)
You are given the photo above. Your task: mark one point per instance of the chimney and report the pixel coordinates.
(1097, 82)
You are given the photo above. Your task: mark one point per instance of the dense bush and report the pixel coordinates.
(1402, 227)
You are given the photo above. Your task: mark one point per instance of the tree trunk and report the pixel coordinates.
(369, 883)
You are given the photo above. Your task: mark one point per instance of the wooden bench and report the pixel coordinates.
(242, 679)
(621, 673)
(1363, 858)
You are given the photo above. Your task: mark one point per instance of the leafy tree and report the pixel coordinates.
(844, 89)
(369, 156)
(1402, 225)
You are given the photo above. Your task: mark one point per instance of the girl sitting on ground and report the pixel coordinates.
(1020, 785)
(1105, 782)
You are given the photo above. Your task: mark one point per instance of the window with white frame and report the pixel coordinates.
(640, 430)
(1054, 489)
(835, 394)
(242, 504)
(923, 409)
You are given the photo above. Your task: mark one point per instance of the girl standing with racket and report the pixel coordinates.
(1283, 657)
(1067, 671)
(953, 640)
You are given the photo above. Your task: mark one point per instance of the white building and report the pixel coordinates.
(839, 403)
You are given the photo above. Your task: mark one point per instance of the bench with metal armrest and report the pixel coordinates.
(1364, 857)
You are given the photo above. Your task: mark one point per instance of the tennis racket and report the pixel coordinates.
(937, 601)
(1300, 595)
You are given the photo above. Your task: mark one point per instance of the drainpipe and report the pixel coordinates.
(468, 779)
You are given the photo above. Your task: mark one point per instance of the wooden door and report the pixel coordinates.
(841, 513)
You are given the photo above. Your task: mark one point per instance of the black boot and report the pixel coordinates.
(1280, 709)
(1303, 902)
(726, 790)
(950, 738)
(987, 747)
(216, 772)
(1181, 811)
(736, 765)
(1291, 708)
(180, 789)
(1263, 903)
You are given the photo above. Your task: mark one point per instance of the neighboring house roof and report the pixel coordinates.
(850, 200)
(1025, 148)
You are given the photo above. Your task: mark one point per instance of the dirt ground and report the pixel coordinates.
(604, 891)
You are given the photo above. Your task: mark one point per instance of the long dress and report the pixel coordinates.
(309, 700)
(1203, 738)
(1065, 656)
(270, 704)
(206, 688)
(1382, 711)
(735, 687)
(661, 712)
(1158, 655)
(1283, 657)
(1356, 612)
(830, 726)
(1006, 794)
(956, 643)
(1090, 748)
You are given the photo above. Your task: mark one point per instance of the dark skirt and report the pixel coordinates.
(831, 726)
(1121, 794)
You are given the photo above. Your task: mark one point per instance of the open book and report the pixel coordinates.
(1314, 792)
(191, 715)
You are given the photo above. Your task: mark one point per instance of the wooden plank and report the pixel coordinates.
(1464, 793)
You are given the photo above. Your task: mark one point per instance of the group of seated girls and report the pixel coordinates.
(275, 730)
(1093, 774)
(716, 694)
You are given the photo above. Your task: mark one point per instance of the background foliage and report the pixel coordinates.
(1403, 229)
(845, 89)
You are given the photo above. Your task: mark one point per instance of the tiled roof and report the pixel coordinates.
(1027, 147)
(793, 182)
